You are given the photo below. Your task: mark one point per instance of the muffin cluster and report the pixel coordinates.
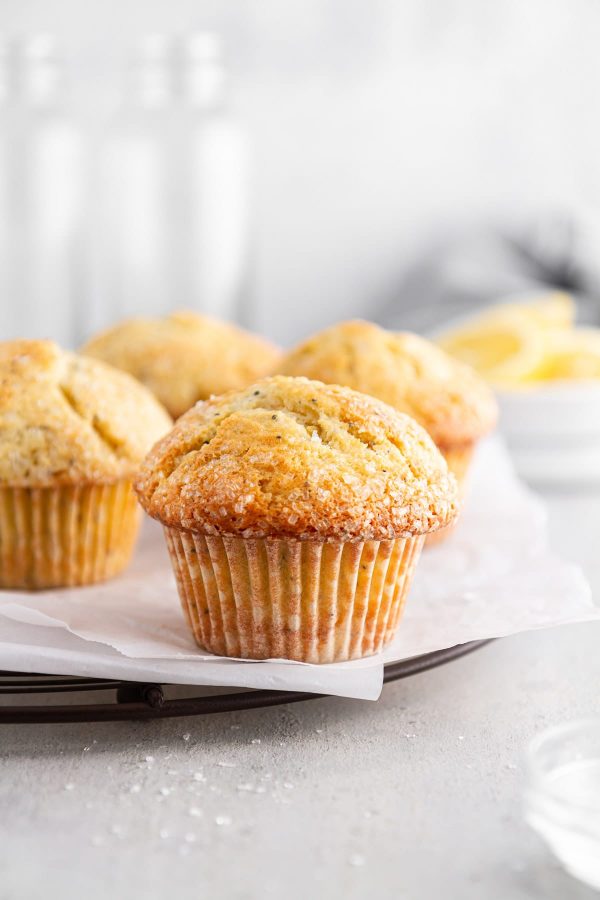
(295, 490)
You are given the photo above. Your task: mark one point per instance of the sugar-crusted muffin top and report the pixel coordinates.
(410, 373)
(67, 419)
(185, 357)
(298, 458)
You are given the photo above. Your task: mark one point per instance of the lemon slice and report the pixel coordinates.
(508, 344)
(572, 355)
(505, 353)
(550, 311)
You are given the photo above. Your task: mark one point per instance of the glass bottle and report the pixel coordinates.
(41, 198)
(137, 224)
(217, 239)
(7, 97)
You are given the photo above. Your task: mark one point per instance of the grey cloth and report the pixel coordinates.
(486, 264)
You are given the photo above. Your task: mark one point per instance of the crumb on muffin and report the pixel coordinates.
(293, 457)
(406, 371)
(66, 419)
(185, 357)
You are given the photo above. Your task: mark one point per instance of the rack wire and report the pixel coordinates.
(112, 701)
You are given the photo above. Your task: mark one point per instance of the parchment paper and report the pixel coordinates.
(494, 576)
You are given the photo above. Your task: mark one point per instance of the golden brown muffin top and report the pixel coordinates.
(185, 357)
(67, 419)
(410, 373)
(298, 458)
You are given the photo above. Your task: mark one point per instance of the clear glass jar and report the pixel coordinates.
(562, 798)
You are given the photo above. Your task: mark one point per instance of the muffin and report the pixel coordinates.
(72, 432)
(413, 375)
(185, 357)
(294, 514)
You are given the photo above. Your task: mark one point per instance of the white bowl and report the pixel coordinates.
(553, 432)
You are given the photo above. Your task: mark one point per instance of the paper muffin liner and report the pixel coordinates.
(458, 459)
(311, 601)
(65, 536)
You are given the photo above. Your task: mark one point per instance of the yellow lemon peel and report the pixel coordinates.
(516, 345)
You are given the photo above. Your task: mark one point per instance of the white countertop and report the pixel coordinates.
(416, 796)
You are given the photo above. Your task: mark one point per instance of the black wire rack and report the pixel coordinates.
(112, 701)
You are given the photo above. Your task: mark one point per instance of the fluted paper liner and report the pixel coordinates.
(64, 536)
(459, 460)
(310, 601)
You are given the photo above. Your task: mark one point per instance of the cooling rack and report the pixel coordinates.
(62, 698)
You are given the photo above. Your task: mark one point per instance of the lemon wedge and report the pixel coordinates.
(511, 344)
(550, 311)
(572, 355)
(505, 354)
